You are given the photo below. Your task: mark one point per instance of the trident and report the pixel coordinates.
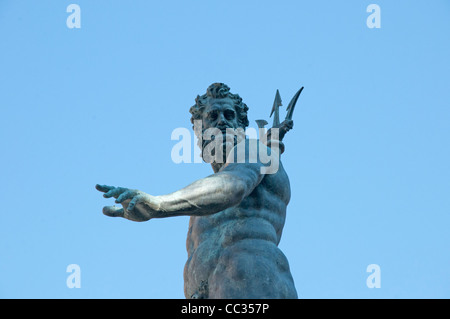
(276, 112)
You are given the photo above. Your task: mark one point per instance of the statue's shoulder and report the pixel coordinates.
(254, 151)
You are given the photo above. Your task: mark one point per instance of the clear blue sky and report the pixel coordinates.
(368, 158)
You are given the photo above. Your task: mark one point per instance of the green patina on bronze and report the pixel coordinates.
(237, 213)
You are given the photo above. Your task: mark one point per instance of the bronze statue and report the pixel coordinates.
(237, 213)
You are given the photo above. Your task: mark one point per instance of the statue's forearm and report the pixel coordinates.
(211, 194)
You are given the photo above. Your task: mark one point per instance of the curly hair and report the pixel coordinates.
(219, 91)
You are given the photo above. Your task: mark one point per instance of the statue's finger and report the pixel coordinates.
(103, 188)
(115, 192)
(133, 203)
(113, 211)
(125, 196)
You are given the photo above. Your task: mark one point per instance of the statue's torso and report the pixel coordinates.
(229, 249)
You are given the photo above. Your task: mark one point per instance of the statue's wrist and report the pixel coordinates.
(153, 204)
(276, 145)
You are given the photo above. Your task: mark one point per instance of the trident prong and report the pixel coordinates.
(261, 123)
(291, 106)
(275, 109)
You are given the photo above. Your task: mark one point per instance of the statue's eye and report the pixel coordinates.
(212, 116)
(229, 114)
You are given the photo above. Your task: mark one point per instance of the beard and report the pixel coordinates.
(218, 146)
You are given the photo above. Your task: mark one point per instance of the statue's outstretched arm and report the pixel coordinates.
(214, 193)
(206, 196)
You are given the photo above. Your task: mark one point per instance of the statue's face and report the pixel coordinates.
(221, 114)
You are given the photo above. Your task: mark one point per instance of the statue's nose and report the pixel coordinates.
(221, 119)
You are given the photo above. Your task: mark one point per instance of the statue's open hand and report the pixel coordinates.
(136, 205)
